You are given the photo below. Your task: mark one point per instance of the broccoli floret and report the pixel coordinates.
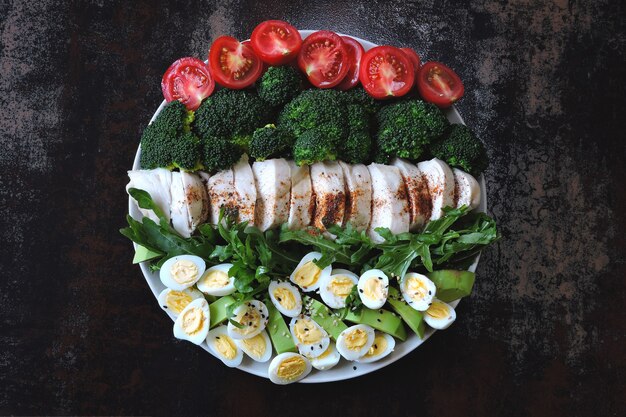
(462, 149)
(405, 128)
(161, 136)
(218, 154)
(186, 151)
(279, 85)
(270, 142)
(358, 146)
(232, 115)
(322, 110)
(358, 95)
(314, 146)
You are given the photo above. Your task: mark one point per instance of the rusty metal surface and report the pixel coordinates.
(543, 333)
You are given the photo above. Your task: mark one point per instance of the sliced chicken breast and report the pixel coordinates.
(245, 189)
(330, 196)
(272, 178)
(390, 206)
(196, 199)
(358, 195)
(157, 183)
(420, 205)
(221, 192)
(179, 210)
(466, 189)
(440, 185)
(302, 200)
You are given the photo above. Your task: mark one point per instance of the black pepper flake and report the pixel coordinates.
(321, 344)
(380, 278)
(379, 320)
(361, 291)
(375, 346)
(279, 300)
(306, 329)
(249, 323)
(380, 312)
(430, 304)
(354, 367)
(217, 337)
(430, 293)
(311, 347)
(164, 306)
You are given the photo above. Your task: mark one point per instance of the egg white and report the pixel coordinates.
(327, 362)
(222, 331)
(166, 276)
(200, 335)
(293, 290)
(267, 353)
(217, 291)
(331, 299)
(417, 301)
(348, 353)
(192, 292)
(391, 344)
(275, 363)
(372, 303)
(310, 350)
(440, 323)
(237, 333)
(324, 273)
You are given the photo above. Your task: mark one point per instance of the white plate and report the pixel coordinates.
(344, 370)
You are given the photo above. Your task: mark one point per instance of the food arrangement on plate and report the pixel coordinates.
(316, 208)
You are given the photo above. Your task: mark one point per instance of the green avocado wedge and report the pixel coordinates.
(452, 285)
(279, 332)
(323, 316)
(413, 318)
(382, 320)
(218, 310)
(143, 254)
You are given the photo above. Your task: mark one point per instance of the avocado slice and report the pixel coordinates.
(323, 316)
(279, 332)
(413, 318)
(382, 320)
(452, 285)
(143, 254)
(218, 310)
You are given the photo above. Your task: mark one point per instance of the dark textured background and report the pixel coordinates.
(544, 331)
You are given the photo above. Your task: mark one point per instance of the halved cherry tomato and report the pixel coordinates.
(355, 53)
(324, 59)
(439, 85)
(276, 42)
(189, 81)
(414, 57)
(234, 64)
(386, 72)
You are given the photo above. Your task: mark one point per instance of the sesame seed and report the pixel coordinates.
(164, 306)
(379, 320)
(354, 367)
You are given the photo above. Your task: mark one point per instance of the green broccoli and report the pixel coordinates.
(232, 115)
(358, 146)
(161, 136)
(279, 85)
(322, 110)
(270, 142)
(314, 146)
(218, 154)
(358, 95)
(186, 151)
(405, 128)
(462, 149)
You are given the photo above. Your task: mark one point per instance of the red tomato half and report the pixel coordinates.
(324, 59)
(355, 53)
(234, 64)
(276, 42)
(386, 72)
(189, 81)
(414, 57)
(439, 85)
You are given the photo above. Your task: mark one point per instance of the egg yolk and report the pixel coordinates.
(285, 298)
(255, 345)
(340, 286)
(250, 318)
(192, 321)
(373, 289)
(177, 300)
(416, 288)
(356, 339)
(307, 332)
(216, 279)
(225, 346)
(307, 275)
(326, 353)
(378, 347)
(184, 271)
(438, 310)
(291, 368)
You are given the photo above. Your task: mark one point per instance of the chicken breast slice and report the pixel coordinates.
(440, 181)
(302, 200)
(358, 185)
(466, 189)
(390, 206)
(196, 199)
(245, 189)
(157, 183)
(179, 210)
(221, 192)
(330, 196)
(418, 195)
(272, 178)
